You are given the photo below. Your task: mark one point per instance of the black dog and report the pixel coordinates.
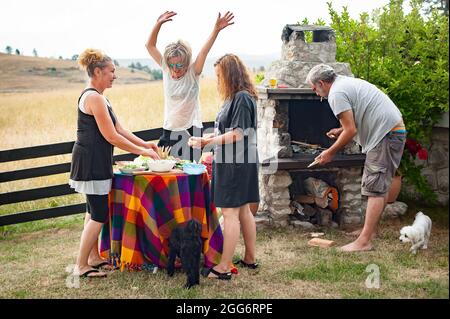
(186, 243)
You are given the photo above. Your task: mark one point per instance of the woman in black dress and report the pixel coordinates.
(235, 166)
(98, 130)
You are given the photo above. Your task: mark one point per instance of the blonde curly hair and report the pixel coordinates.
(90, 59)
(179, 48)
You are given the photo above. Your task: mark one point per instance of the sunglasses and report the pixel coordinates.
(176, 65)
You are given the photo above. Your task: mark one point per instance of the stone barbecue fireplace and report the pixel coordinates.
(292, 122)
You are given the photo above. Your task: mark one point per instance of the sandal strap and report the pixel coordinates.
(252, 266)
(100, 265)
(221, 275)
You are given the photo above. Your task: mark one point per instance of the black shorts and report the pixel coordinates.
(97, 207)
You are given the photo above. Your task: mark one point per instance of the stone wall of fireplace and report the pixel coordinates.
(274, 140)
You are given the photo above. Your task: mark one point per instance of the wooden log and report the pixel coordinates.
(304, 199)
(313, 146)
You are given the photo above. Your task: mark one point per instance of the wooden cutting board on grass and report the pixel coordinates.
(319, 242)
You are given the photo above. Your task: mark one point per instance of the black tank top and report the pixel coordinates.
(92, 154)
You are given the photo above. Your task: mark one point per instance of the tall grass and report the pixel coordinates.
(28, 119)
(37, 118)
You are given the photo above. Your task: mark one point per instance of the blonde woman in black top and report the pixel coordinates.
(98, 131)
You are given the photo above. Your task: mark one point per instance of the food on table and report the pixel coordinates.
(180, 162)
(131, 167)
(164, 152)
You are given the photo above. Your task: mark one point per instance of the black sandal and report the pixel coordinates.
(220, 275)
(105, 266)
(100, 265)
(92, 271)
(244, 264)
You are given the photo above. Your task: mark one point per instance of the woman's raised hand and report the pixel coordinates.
(225, 21)
(166, 16)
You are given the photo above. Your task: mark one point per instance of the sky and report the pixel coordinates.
(121, 28)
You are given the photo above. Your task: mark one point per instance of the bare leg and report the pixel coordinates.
(358, 232)
(375, 207)
(230, 238)
(94, 255)
(88, 239)
(249, 233)
(254, 207)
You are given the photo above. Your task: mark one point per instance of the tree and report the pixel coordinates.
(436, 4)
(35, 53)
(8, 49)
(74, 57)
(116, 63)
(156, 74)
(17, 52)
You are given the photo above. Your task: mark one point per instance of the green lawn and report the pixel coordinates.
(34, 257)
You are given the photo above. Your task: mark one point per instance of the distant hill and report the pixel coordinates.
(253, 62)
(23, 73)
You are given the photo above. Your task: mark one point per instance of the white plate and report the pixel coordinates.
(131, 170)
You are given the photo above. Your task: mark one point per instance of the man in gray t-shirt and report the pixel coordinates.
(368, 116)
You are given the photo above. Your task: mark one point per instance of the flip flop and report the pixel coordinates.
(105, 266)
(220, 275)
(244, 264)
(100, 265)
(92, 271)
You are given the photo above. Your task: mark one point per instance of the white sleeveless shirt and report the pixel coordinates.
(181, 100)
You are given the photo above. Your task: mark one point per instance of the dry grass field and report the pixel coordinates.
(38, 109)
(31, 116)
(31, 74)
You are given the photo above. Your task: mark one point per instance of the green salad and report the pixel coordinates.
(180, 163)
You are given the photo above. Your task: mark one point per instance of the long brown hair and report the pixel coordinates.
(233, 77)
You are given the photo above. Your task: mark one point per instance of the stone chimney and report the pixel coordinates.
(299, 56)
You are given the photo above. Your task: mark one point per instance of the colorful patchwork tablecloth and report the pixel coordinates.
(144, 209)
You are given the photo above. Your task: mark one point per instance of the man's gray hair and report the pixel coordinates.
(322, 72)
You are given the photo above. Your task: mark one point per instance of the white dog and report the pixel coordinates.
(418, 233)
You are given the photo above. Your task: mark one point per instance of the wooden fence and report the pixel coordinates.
(50, 191)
